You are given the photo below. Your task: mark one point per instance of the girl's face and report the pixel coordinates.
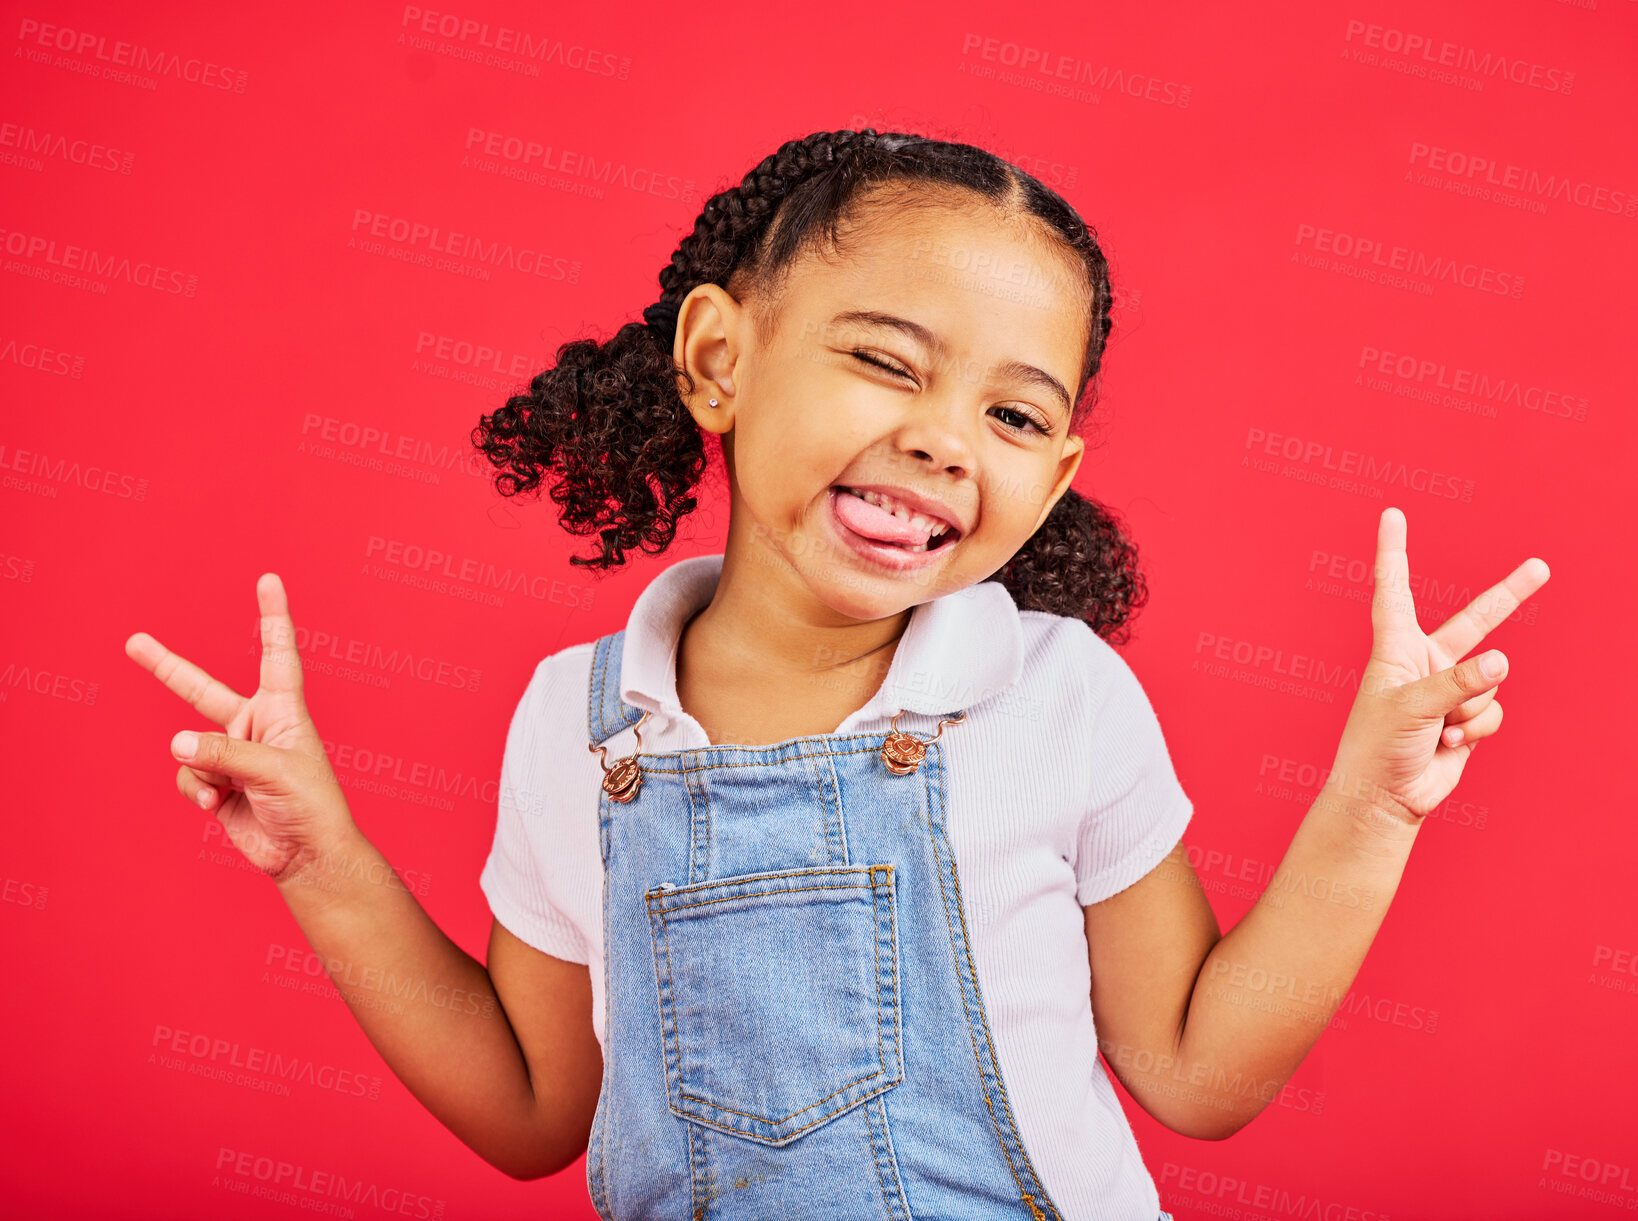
(904, 429)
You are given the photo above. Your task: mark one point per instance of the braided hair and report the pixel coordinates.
(608, 421)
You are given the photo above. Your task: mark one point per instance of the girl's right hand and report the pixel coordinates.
(267, 777)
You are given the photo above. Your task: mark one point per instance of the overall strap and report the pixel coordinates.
(606, 713)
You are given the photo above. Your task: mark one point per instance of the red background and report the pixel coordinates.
(163, 455)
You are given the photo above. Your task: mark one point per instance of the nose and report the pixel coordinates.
(937, 433)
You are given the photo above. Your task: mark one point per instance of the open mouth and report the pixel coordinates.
(881, 519)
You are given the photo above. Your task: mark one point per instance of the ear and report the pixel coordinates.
(710, 333)
(1068, 463)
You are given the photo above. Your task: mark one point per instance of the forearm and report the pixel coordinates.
(429, 1008)
(1270, 985)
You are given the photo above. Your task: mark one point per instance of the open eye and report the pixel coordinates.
(1023, 421)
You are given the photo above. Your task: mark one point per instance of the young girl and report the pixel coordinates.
(819, 888)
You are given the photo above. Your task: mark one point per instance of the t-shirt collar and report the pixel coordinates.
(958, 650)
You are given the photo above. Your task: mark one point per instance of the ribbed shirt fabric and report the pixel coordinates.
(1061, 793)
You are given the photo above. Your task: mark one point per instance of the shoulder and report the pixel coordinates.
(1069, 667)
(549, 716)
(556, 691)
(556, 670)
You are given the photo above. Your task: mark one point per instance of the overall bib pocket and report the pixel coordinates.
(779, 996)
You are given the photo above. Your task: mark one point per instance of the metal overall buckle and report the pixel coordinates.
(622, 781)
(903, 752)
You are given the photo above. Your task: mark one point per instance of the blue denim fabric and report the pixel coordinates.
(793, 1026)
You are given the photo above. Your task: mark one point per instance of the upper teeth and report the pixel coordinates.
(932, 525)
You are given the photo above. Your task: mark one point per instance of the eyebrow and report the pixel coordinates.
(1016, 369)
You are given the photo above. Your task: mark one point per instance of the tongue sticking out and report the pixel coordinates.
(867, 519)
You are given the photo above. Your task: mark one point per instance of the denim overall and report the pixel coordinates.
(793, 1026)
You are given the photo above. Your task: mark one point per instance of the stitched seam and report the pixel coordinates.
(876, 1156)
(758, 894)
(705, 800)
(898, 1038)
(794, 1131)
(832, 786)
(885, 1156)
(592, 690)
(700, 1179)
(702, 790)
(693, 1179)
(602, 1163)
(693, 833)
(668, 1022)
(893, 932)
(656, 892)
(887, 1171)
(816, 786)
(716, 1106)
(603, 689)
(602, 1136)
(876, 949)
(874, 747)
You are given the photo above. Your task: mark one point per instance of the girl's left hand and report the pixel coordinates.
(1419, 714)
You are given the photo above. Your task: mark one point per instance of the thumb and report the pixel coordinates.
(1438, 695)
(248, 763)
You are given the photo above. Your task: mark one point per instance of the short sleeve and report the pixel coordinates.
(513, 878)
(1136, 808)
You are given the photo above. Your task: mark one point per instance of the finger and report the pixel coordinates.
(281, 662)
(200, 792)
(250, 763)
(1461, 633)
(1469, 709)
(212, 699)
(1480, 727)
(1438, 695)
(215, 780)
(1392, 607)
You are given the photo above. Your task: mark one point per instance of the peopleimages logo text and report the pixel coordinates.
(1070, 70)
(1478, 168)
(1376, 253)
(1447, 54)
(435, 239)
(191, 69)
(508, 41)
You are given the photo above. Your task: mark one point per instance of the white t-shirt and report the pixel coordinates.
(1061, 793)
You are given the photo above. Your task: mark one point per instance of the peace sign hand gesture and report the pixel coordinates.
(278, 798)
(1419, 714)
